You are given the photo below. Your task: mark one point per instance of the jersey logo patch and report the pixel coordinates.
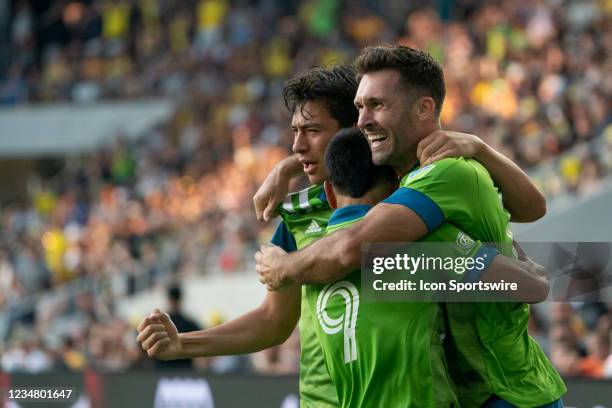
(417, 174)
(313, 228)
(347, 321)
(465, 242)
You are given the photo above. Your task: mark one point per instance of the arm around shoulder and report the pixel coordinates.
(336, 255)
(530, 278)
(523, 200)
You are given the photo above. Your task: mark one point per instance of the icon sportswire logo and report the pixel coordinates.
(346, 321)
(313, 228)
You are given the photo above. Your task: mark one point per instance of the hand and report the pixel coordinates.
(270, 260)
(535, 268)
(442, 144)
(158, 336)
(270, 194)
(522, 256)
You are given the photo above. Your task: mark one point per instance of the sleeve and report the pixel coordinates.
(484, 257)
(418, 202)
(443, 191)
(283, 238)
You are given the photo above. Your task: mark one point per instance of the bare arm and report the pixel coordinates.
(521, 197)
(267, 326)
(336, 255)
(530, 278)
(275, 187)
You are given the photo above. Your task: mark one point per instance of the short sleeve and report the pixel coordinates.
(446, 190)
(485, 256)
(418, 202)
(283, 238)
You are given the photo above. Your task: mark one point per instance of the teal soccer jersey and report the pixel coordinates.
(490, 351)
(384, 354)
(305, 215)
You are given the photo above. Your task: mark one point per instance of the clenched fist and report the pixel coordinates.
(157, 335)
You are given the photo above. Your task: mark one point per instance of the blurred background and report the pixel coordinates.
(134, 133)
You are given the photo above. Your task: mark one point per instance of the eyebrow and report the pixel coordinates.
(374, 99)
(307, 125)
(368, 99)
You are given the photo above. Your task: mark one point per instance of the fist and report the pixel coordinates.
(157, 335)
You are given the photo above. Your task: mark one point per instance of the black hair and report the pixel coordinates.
(334, 87)
(348, 159)
(418, 70)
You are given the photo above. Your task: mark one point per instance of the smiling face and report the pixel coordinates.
(313, 128)
(389, 119)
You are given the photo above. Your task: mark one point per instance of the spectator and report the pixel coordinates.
(183, 324)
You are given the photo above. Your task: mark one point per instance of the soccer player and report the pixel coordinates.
(386, 354)
(491, 356)
(321, 103)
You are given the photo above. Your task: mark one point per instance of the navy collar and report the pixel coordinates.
(348, 213)
(322, 195)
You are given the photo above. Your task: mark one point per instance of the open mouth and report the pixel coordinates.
(376, 140)
(309, 166)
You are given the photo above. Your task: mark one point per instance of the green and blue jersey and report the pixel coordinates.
(304, 217)
(490, 351)
(385, 354)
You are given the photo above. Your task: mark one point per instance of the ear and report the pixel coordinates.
(426, 108)
(331, 196)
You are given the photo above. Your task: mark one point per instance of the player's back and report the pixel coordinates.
(386, 354)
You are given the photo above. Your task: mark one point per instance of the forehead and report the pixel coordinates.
(378, 85)
(312, 113)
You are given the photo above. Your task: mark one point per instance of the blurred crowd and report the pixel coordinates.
(577, 337)
(531, 78)
(92, 336)
(124, 219)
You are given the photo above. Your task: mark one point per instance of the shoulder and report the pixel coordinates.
(449, 169)
(304, 201)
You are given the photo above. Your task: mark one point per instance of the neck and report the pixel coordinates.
(405, 166)
(410, 159)
(372, 198)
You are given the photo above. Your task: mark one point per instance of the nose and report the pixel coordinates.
(300, 144)
(365, 120)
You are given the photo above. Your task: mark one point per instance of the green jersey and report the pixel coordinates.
(305, 215)
(490, 351)
(384, 354)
